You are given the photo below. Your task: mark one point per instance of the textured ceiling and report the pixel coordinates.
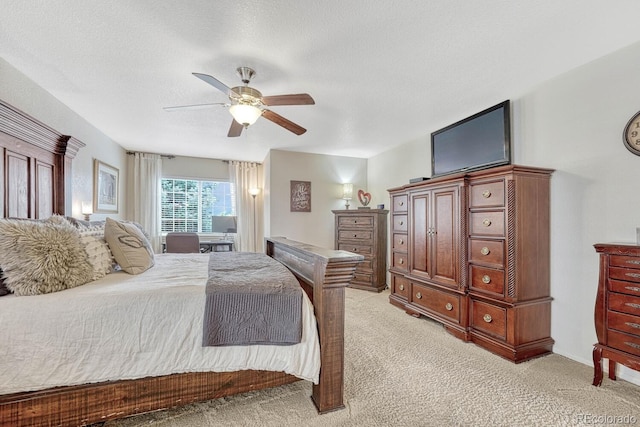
(381, 72)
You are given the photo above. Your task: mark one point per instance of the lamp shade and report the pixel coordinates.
(254, 191)
(87, 208)
(245, 114)
(347, 191)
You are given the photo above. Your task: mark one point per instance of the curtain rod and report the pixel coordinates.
(165, 156)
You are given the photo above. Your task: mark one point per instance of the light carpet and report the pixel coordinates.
(403, 371)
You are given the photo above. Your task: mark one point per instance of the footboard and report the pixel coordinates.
(324, 274)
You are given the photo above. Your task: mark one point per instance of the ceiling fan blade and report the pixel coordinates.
(293, 99)
(285, 123)
(215, 83)
(193, 106)
(235, 129)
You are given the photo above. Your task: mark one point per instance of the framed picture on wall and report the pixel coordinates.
(300, 196)
(105, 187)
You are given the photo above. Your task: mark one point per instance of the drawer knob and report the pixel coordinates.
(487, 318)
(486, 194)
(632, 305)
(632, 288)
(401, 261)
(354, 250)
(419, 295)
(486, 279)
(632, 344)
(401, 222)
(355, 235)
(355, 221)
(448, 306)
(401, 241)
(486, 222)
(485, 250)
(401, 203)
(633, 325)
(401, 287)
(634, 275)
(633, 261)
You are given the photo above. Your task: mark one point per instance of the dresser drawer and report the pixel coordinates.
(365, 265)
(400, 203)
(400, 286)
(623, 322)
(355, 235)
(361, 277)
(487, 194)
(627, 274)
(399, 223)
(355, 248)
(355, 221)
(624, 261)
(443, 303)
(487, 280)
(487, 223)
(487, 252)
(625, 287)
(399, 242)
(399, 261)
(489, 319)
(624, 342)
(624, 303)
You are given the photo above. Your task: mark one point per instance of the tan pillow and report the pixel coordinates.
(130, 248)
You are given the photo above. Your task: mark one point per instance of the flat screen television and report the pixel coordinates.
(477, 142)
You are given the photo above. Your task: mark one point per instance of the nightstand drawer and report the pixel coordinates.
(487, 280)
(355, 235)
(487, 194)
(489, 252)
(624, 261)
(624, 287)
(489, 319)
(487, 223)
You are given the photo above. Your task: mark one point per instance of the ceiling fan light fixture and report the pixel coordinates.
(245, 114)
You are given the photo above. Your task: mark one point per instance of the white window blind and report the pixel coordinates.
(189, 204)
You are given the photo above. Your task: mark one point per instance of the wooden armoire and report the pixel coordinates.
(471, 250)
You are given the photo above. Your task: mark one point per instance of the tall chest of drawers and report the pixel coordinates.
(617, 310)
(475, 256)
(364, 231)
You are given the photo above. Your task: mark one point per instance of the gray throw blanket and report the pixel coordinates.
(251, 299)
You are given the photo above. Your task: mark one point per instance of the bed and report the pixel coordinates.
(36, 171)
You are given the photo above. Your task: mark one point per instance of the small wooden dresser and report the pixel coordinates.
(364, 231)
(617, 312)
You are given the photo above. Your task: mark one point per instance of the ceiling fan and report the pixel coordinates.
(248, 104)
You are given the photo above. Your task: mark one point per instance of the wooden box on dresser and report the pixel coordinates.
(471, 250)
(617, 310)
(364, 231)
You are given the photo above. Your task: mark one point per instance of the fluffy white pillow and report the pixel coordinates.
(39, 257)
(130, 248)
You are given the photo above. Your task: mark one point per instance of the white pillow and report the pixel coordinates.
(130, 248)
(98, 253)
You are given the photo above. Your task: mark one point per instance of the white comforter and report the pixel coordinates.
(131, 326)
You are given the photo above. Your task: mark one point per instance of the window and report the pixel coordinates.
(189, 204)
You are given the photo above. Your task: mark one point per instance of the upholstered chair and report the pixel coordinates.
(178, 242)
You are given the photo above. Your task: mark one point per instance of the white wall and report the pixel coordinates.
(20, 92)
(573, 124)
(195, 167)
(326, 174)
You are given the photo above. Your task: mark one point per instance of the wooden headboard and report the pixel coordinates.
(35, 171)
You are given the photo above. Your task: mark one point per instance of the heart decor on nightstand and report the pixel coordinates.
(364, 198)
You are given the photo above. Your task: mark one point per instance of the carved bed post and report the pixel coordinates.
(328, 272)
